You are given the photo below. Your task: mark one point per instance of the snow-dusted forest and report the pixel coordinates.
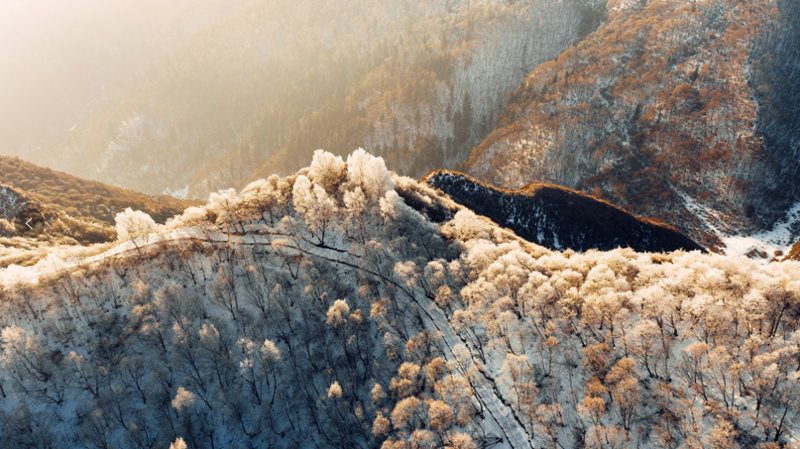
(345, 306)
(684, 111)
(233, 91)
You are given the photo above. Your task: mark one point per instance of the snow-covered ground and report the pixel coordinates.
(478, 336)
(779, 239)
(178, 193)
(71, 258)
(763, 245)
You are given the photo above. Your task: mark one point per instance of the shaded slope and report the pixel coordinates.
(11, 202)
(560, 218)
(667, 106)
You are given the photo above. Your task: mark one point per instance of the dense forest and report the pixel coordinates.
(347, 306)
(262, 84)
(680, 111)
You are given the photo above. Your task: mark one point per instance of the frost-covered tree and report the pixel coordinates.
(316, 207)
(327, 171)
(248, 331)
(369, 173)
(132, 224)
(179, 443)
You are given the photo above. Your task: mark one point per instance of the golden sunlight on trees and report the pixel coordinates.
(132, 224)
(248, 329)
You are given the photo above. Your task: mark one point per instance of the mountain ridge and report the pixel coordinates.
(43, 210)
(665, 101)
(324, 310)
(558, 217)
(82, 197)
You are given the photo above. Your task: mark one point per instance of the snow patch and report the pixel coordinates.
(178, 193)
(763, 244)
(780, 238)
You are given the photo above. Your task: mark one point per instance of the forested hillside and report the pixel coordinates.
(346, 306)
(560, 218)
(262, 84)
(41, 207)
(681, 111)
(83, 199)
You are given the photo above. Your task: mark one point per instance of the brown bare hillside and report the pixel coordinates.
(76, 208)
(678, 110)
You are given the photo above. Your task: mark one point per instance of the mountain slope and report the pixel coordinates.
(11, 202)
(794, 252)
(330, 309)
(83, 199)
(667, 106)
(40, 208)
(560, 218)
(262, 84)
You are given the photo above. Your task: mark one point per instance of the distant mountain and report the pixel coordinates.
(679, 111)
(241, 90)
(73, 208)
(560, 218)
(685, 111)
(345, 306)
